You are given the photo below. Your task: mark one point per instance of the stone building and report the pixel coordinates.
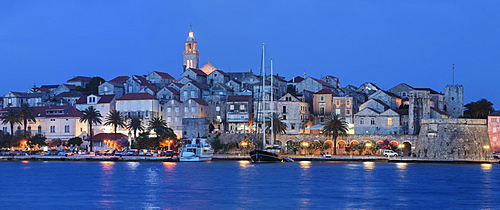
(294, 113)
(16, 99)
(138, 105)
(114, 86)
(160, 79)
(313, 85)
(238, 112)
(81, 81)
(494, 130)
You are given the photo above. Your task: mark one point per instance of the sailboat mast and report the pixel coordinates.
(263, 98)
(271, 106)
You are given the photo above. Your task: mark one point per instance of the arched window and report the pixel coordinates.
(39, 129)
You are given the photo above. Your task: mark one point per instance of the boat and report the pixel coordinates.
(196, 150)
(269, 153)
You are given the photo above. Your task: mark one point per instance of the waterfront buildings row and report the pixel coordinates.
(228, 102)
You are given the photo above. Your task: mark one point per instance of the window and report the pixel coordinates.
(389, 121)
(29, 129)
(321, 98)
(292, 126)
(348, 103)
(177, 119)
(185, 93)
(494, 129)
(493, 119)
(176, 109)
(192, 94)
(193, 109)
(169, 109)
(217, 108)
(169, 119)
(362, 121)
(347, 111)
(337, 111)
(4, 129)
(66, 129)
(39, 129)
(242, 107)
(321, 110)
(337, 102)
(372, 121)
(231, 107)
(321, 119)
(186, 109)
(284, 117)
(52, 128)
(284, 109)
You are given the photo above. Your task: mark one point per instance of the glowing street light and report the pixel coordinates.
(169, 142)
(368, 144)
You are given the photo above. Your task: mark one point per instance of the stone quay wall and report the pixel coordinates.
(453, 139)
(283, 138)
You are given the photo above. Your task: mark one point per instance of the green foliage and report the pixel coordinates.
(145, 142)
(292, 147)
(75, 141)
(11, 117)
(91, 116)
(478, 109)
(26, 115)
(335, 126)
(92, 87)
(37, 140)
(116, 120)
(159, 126)
(55, 142)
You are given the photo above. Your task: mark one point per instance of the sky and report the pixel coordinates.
(384, 42)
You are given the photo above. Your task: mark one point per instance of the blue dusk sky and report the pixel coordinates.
(384, 42)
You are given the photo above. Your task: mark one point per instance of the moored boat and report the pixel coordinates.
(269, 154)
(196, 150)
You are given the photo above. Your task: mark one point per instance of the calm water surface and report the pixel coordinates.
(244, 185)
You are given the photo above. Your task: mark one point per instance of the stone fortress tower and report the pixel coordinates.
(454, 100)
(191, 53)
(420, 104)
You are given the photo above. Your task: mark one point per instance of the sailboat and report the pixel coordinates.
(269, 153)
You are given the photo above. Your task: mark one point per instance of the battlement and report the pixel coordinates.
(463, 121)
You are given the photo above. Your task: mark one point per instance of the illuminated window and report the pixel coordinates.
(337, 102)
(348, 103)
(347, 111)
(322, 110)
(389, 121)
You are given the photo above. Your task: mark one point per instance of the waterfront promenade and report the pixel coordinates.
(223, 157)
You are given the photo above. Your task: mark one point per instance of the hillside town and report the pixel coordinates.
(204, 100)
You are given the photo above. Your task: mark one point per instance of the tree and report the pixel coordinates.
(335, 127)
(479, 109)
(91, 116)
(11, 117)
(278, 126)
(37, 140)
(26, 114)
(76, 141)
(116, 120)
(135, 125)
(55, 142)
(92, 87)
(159, 126)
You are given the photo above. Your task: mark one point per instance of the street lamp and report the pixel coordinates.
(401, 147)
(305, 144)
(168, 143)
(486, 148)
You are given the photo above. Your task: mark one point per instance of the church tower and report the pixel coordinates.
(191, 52)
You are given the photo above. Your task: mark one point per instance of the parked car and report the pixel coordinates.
(170, 153)
(390, 153)
(496, 155)
(51, 153)
(133, 152)
(65, 153)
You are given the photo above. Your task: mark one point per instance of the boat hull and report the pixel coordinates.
(261, 156)
(194, 159)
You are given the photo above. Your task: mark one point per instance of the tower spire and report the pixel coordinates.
(191, 53)
(453, 74)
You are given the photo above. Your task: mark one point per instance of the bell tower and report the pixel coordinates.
(191, 52)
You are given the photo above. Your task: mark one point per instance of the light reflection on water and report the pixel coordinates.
(243, 185)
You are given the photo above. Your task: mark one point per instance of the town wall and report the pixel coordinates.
(452, 139)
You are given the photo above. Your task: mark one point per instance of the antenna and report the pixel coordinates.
(453, 74)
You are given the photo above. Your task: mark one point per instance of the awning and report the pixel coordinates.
(252, 127)
(315, 127)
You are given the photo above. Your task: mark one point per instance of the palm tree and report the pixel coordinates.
(158, 125)
(11, 117)
(479, 109)
(135, 125)
(115, 119)
(278, 126)
(26, 114)
(91, 116)
(334, 128)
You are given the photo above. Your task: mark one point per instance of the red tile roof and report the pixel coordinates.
(164, 75)
(137, 96)
(324, 91)
(198, 72)
(221, 72)
(199, 101)
(52, 111)
(104, 99)
(296, 79)
(120, 79)
(80, 78)
(322, 82)
(401, 111)
(439, 111)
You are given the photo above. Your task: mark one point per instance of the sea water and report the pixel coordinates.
(245, 185)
